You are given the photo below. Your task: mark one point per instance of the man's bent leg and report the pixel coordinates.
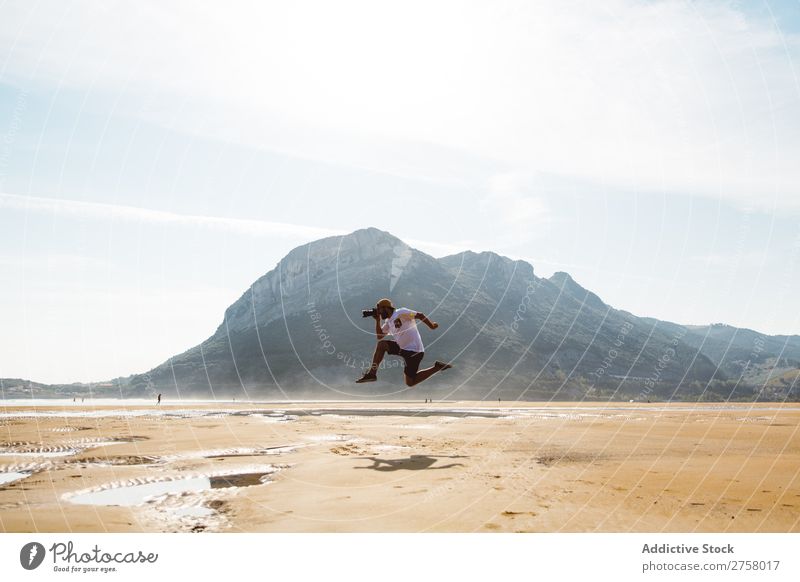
(413, 375)
(377, 357)
(381, 349)
(421, 375)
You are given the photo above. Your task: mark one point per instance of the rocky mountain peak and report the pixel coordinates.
(566, 284)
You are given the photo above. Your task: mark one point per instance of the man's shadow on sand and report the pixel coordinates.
(413, 463)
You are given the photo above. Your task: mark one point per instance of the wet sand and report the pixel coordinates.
(399, 467)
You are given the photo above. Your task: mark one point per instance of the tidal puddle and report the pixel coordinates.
(6, 478)
(247, 452)
(138, 494)
(446, 412)
(123, 460)
(238, 480)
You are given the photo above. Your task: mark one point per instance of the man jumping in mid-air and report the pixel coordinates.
(402, 325)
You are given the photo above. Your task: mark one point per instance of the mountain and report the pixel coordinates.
(298, 332)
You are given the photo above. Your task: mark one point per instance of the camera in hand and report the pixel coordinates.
(368, 312)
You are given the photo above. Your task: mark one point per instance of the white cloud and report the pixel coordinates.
(737, 259)
(695, 97)
(103, 211)
(67, 262)
(514, 209)
(242, 226)
(513, 197)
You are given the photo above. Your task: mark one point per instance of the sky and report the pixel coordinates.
(157, 158)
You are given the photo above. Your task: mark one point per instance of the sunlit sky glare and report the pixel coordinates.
(156, 158)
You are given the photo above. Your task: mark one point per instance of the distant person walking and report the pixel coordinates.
(401, 324)
(159, 399)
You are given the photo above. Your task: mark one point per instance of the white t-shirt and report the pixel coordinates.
(403, 327)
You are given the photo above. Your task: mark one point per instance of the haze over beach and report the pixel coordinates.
(589, 211)
(297, 333)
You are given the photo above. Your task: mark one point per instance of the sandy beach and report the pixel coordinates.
(133, 466)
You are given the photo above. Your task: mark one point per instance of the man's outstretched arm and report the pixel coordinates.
(426, 321)
(378, 330)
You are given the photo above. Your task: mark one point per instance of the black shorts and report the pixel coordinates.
(412, 359)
